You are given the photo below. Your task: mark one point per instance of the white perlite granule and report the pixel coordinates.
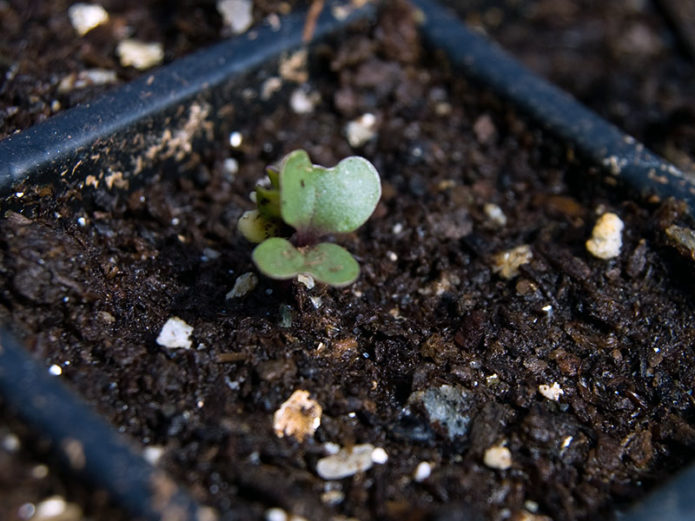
(86, 79)
(141, 55)
(361, 130)
(237, 14)
(507, 263)
(307, 280)
(175, 334)
(606, 237)
(85, 17)
(347, 462)
(498, 457)
(303, 102)
(495, 214)
(299, 416)
(551, 392)
(422, 472)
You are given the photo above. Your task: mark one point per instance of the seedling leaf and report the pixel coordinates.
(327, 200)
(315, 201)
(268, 202)
(332, 264)
(273, 172)
(326, 262)
(255, 227)
(278, 258)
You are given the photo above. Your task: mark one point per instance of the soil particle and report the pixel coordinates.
(141, 55)
(85, 17)
(175, 334)
(606, 237)
(298, 417)
(498, 457)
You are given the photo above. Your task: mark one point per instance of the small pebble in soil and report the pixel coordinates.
(210, 254)
(236, 14)
(278, 514)
(422, 471)
(141, 55)
(88, 78)
(331, 448)
(175, 334)
(235, 139)
(153, 454)
(548, 310)
(606, 237)
(484, 129)
(316, 301)
(379, 456)
(528, 516)
(498, 457)
(446, 406)
(303, 102)
(274, 21)
(551, 392)
(11, 443)
(332, 497)
(285, 316)
(531, 506)
(85, 17)
(243, 285)
(493, 379)
(495, 214)
(55, 370)
(361, 130)
(40, 471)
(340, 12)
(443, 108)
(348, 462)
(231, 168)
(506, 263)
(270, 87)
(26, 511)
(298, 417)
(307, 280)
(294, 67)
(683, 239)
(55, 508)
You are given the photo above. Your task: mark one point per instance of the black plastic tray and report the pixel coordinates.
(110, 139)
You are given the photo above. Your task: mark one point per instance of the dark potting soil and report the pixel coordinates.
(620, 58)
(431, 355)
(40, 48)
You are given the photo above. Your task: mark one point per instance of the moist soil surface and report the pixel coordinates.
(433, 355)
(40, 49)
(620, 58)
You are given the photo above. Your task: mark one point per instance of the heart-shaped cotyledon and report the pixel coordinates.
(325, 262)
(327, 200)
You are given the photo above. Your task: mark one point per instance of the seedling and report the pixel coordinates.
(315, 201)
